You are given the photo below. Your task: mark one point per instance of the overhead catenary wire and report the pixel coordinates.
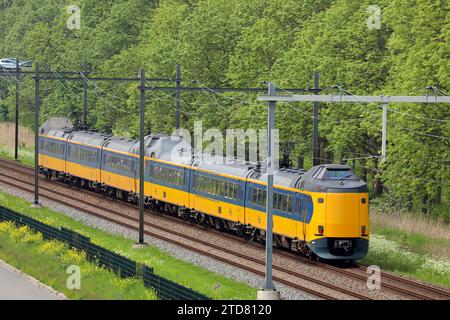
(417, 116)
(214, 92)
(374, 170)
(356, 99)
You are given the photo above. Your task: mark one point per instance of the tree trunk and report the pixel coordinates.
(425, 203)
(410, 204)
(322, 156)
(378, 184)
(330, 157)
(438, 196)
(300, 162)
(364, 174)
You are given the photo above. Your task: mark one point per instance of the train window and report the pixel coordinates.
(113, 162)
(254, 198)
(261, 197)
(236, 191)
(337, 173)
(274, 205)
(279, 201)
(232, 190)
(202, 184)
(218, 187)
(205, 184)
(86, 155)
(209, 186)
(197, 182)
(172, 176)
(214, 186)
(318, 172)
(229, 194)
(180, 177)
(285, 202)
(52, 147)
(289, 207)
(221, 187)
(226, 189)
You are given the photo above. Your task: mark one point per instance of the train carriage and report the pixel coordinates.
(291, 212)
(83, 156)
(52, 148)
(119, 166)
(341, 228)
(167, 176)
(218, 189)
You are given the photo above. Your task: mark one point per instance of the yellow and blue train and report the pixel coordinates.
(322, 212)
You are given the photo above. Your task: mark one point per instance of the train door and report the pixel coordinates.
(187, 186)
(102, 162)
(300, 232)
(302, 214)
(192, 189)
(136, 172)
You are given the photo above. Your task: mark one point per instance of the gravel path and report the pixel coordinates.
(182, 254)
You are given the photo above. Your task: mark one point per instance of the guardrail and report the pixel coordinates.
(122, 266)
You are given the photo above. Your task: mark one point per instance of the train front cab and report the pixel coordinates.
(340, 226)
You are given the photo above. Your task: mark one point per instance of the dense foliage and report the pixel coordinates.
(244, 43)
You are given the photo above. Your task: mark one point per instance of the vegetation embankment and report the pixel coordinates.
(49, 262)
(412, 245)
(7, 142)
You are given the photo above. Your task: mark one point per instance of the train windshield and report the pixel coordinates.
(337, 174)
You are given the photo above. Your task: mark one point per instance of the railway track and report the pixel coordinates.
(394, 283)
(311, 285)
(170, 236)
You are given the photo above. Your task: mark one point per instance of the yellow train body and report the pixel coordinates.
(331, 215)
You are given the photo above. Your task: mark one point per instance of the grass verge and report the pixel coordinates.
(48, 261)
(26, 155)
(416, 242)
(26, 143)
(204, 281)
(410, 251)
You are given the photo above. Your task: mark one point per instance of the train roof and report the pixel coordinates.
(169, 148)
(283, 177)
(58, 133)
(334, 178)
(122, 144)
(88, 137)
(56, 123)
(223, 165)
